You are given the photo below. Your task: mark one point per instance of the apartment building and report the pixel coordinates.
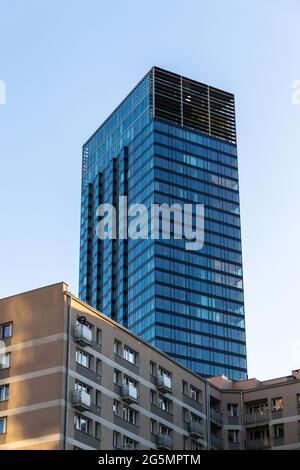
(72, 378)
(260, 414)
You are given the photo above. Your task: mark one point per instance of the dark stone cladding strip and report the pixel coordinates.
(128, 365)
(87, 439)
(161, 413)
(88, 373)
(193, 403)
(126, 425)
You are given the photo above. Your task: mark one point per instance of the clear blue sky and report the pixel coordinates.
(67, 64)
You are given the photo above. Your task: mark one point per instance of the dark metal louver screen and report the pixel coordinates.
(193, 104)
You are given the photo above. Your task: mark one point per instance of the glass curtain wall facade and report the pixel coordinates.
(172, 140)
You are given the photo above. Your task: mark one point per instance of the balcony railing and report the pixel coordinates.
(216, 416)
(164, 441)
(217, 442)
(129, 393)
(258, 444)
(234, 446)
(278, 441)
(196, 429)
(233, 420)
(83, 335)
(256, 418)
(164, 383)
(81, 400)
(277, 414)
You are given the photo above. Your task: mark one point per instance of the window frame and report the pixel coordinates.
(236, 436)
(6, 388)
(195, 394)
(4, 420)
(81, 353)
(3, 326)
(9, 360)
(127, 353)
(77, 419)
(274, 402)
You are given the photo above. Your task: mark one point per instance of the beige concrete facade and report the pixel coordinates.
(72, 378)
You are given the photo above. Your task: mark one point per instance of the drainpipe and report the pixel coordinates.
(208, 427)
(242, 421)
(67, 370)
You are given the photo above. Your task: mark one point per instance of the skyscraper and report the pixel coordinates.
(171, 140)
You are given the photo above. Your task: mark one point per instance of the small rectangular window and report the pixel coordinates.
(4, 392)
(152, 368)
(165, 430)
(83, 358)
(82, 424)
(185, 387)
(5, 361)
(98, 398)
(6, 330)
(129, 415)
(185, 415)
(153, 426)
(196, 418)
(99, 336)
(116, 408)
(3, 425)
(232, 409)
(97, 431)
(278, 431)
(116, 439)
(98, 366)
(128, 442)
(130, 355)
(117, 377)
(195, 394)
(117, 347)
(164, 404)
(233, 436)
(277, 404)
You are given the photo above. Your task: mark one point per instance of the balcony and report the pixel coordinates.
(83, 335)
(256, 418)
(258, 444)
(196, 430)
(216, 417)
(81, 400)
(129, 393)
(164, 383)
(164, 441)
(217, 442)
